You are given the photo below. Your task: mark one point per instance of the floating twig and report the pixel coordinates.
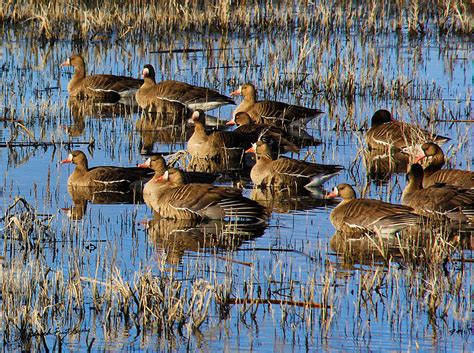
(249, 264)
(273, 301)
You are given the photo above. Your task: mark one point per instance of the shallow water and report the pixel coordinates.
(394, 317)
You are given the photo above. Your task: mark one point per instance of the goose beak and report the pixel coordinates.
(237, 92)
(230, 123)
(420, 158)
(66, 63)
(252, 149)
(331, 195)
(194, 117)
(145, 72)
(145, 164)
(67, 160)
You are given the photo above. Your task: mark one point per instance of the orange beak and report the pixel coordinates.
(230, 123)
(420, 158)
(67, 160)
(66, 63)
(331, 195)
(145, 164)
(250, 150)
(237, 92)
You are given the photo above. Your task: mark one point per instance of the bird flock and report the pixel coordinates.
(267, 128)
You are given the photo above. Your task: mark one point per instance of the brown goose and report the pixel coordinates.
(438, 200)
(102, 177)
(286, 171)
(280, 137)
(355, 215)
(158, 164)
(171, 199)
(434, 174)
(152, 94)
(272, 112)
(385, 132)
(297, 136)
(99, 86)
(210, 145)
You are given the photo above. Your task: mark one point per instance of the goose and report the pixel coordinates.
(355, 215)
(287, 171)
(434, 174)
(152, 95)
(272, 112)
(203, 144)
(109, 87)
(175, 200)
(106, 177)
(158, 164)
(278, 136)
(386, 132)
(438, 200)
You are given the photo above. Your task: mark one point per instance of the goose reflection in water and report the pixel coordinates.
(95, 109)
(382, 164)
(82, 196)
(177, 237)
(287, 200)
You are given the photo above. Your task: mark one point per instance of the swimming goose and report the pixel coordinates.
(287, 171)
(158, 164)
(354, 215)
(272, 112)
(434, 174)
(203, 144)
(386, 132)
(152, 94)
(172, 199)
(106, 177)
(279, 136)
(101, 86)
(438, 200)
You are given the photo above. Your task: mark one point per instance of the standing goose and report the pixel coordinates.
(172, 199)
(355, 215)
(438, 200)
(158, 164)
(286, 171)
(214, 144)
(272, 112)
(434, 174)
(386, 132)
(102, 177)
(152, 94)
(108, 87)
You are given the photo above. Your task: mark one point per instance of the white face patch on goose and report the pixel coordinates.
(335, 190)
(145, 72)
(166, 175)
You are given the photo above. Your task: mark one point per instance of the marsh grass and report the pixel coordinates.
(95, 20)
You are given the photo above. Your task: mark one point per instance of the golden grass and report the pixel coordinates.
(94, 19)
